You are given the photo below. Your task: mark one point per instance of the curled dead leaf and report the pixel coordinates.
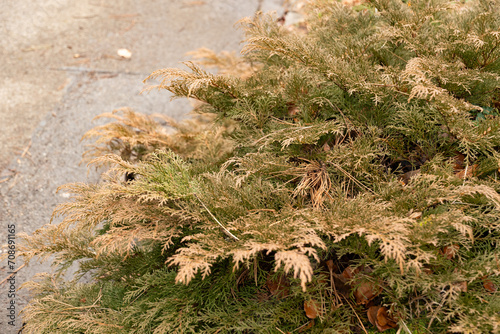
(380, 318)
(312, 308)
(365, 292)
(372, 314)
(489, 285)
(384, 320)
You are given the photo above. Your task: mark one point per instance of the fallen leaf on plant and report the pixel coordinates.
(489, 286)
(467, 172)
(378, 316)
(372, 314)
(459, 162)
(312, 308)
(365, 292)
(331, 266)
(340, 284)
(278, 287)
(350, 272)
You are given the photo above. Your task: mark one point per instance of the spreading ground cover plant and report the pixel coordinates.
(343, 180)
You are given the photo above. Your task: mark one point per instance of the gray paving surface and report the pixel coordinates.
(59, 69)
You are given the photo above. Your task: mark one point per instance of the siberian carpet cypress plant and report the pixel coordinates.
(339, 181)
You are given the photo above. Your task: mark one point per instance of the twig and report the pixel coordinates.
(440, 306)
(13, 182)
(302, 326)
(131, 25)
(340, 111)
(255, 268)
(351, 177)
(218, 222)
(356, 314)
(12, 274)
(465, 174)
(405, 327)
(282, 121)
(30, 158)
(26, 149)
(282, 130)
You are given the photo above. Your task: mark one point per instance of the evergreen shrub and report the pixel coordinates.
(339, 180)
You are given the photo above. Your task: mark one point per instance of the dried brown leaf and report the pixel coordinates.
(365, 292)
(467, 172)
(380, 318)
(489, 285)
(459, 162)
(279, 287)
(312, 308)
(331, 266)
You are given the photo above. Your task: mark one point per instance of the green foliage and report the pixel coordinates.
(337, 181)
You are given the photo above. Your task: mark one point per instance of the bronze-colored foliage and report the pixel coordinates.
(353, 168)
